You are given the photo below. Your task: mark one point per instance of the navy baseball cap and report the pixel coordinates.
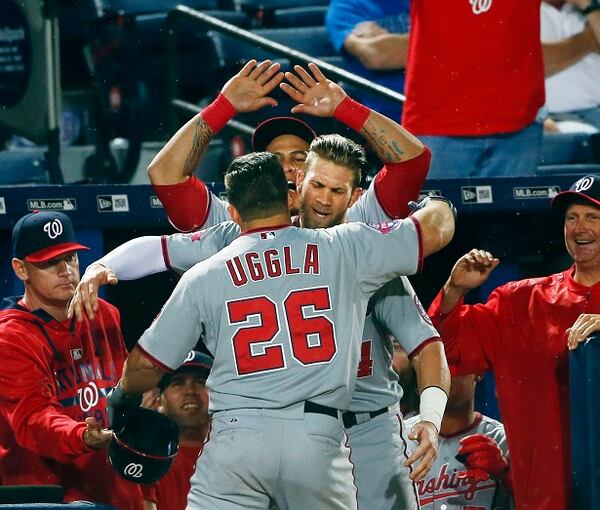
(41, 236)
(194, 362)
(587, 188)
(271, 128)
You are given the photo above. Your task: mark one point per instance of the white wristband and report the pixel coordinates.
(433, 404)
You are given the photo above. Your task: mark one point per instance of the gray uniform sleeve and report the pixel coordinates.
(182, 251)
(217, 211)
(397, 308)
(176, 330)
(380, 252)
(367, 208)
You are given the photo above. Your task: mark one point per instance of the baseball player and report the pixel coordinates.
(285, 334)
(183, 398)
(472, 440)
(55, 373)
(191, 206)
(378, 391)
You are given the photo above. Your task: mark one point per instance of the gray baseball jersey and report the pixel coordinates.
(394, 310)
(292, 302)
(441, 489)
(366, 208)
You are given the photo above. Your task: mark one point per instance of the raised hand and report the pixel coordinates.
(315, 94)
(426, 435)
(248, 90)
(472, 269)
(85, 299)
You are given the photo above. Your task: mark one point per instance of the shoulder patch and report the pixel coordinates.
(385, 227)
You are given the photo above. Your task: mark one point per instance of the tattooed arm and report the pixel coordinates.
(247, 91)
(316, 95)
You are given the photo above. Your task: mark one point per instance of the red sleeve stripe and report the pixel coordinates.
(420, 241)
(155, 361)
(165, 252)
(422, 345)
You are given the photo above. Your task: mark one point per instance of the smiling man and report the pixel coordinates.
(184, 399)
(523, 333)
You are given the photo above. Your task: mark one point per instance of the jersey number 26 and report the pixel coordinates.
(312, 338)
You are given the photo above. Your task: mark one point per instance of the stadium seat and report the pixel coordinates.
(566, 148)
(231, 51)
(576, 169)
(136, 7)
(23, 166)
(307, 16)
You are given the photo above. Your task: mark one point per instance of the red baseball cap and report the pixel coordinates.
(41, 236)
(271, 128)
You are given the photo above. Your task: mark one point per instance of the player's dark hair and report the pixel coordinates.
(341, 151)
(256, 185)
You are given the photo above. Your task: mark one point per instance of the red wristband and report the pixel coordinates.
(352, 113)
(218, 113)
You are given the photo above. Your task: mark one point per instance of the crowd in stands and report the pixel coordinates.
(396, 424)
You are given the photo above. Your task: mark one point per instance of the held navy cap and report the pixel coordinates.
(270, 129)
(195, 362)
(587, 188)
(41, 236)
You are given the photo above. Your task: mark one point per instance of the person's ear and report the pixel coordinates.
(355, 196)
(235, 215)
(20, 270)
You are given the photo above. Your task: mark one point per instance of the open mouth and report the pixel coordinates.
(190, 406)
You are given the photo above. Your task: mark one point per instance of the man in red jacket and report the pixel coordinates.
(184, 399)
(523, 333)
(55, 373)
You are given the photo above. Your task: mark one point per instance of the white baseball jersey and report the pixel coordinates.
(441, 489)
(281, 310)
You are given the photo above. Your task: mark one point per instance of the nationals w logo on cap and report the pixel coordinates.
(586, 189)
(41, 236)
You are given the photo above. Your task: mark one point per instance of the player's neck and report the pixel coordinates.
(585, 275)
(264, 223)
(457, 420)
(193, 436)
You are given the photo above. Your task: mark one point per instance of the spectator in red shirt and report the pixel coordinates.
(183, 398)
(523, 333)
(56, 372)
(475, 84)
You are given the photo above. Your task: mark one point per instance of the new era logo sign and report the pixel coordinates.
(112, 203)
(476, 195)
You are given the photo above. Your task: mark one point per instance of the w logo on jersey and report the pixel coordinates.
(386, 227)
(480, 6)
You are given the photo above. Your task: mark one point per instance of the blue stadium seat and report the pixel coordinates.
(311, 40)
(567, 148)
(136, 7)
(566, 169)
(23, 166)
(306, 16)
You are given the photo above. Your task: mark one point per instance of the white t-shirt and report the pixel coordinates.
(578, 86)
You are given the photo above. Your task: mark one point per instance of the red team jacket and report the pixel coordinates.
(520, 334)
(53, 375)
(171, 491)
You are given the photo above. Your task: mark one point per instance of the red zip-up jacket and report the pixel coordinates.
(521, 334)
(53, 375)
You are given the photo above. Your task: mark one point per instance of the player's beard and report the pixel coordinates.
(309, 219)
